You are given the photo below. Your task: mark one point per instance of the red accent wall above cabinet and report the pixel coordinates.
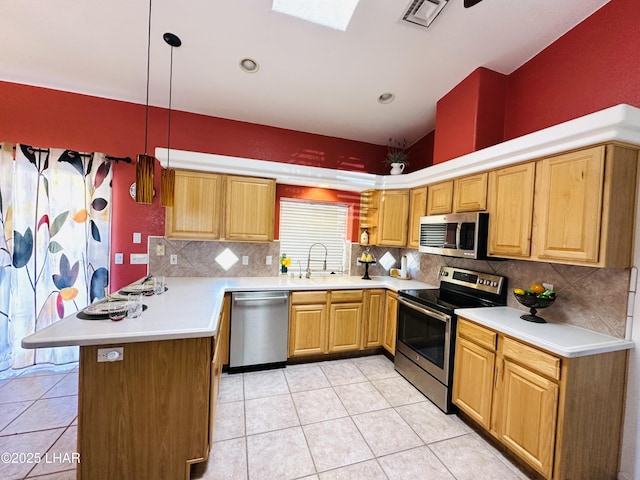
(471, 116)
(593, 66)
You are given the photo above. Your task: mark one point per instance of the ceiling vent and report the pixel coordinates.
(423, 12)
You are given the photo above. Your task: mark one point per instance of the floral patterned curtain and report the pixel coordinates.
(55, 208)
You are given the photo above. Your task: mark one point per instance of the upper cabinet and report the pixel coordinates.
(369, 201)
(209, 206)
(196, 206)
(584, 207)
(249, 209)
(417, 209)
(576, 208)
(470, 193)
(392, 218)
(464, 194)
(440, 198)
(510, 210)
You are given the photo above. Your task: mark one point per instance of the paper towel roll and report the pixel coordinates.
(403, 267)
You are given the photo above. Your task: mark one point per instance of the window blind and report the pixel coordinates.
(303, 223)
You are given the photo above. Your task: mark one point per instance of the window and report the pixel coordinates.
(303, 223)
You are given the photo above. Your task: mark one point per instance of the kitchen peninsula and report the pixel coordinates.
(150, 413)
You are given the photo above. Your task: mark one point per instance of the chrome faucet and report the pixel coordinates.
(324, 263)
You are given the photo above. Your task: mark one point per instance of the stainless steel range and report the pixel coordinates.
(427, 328)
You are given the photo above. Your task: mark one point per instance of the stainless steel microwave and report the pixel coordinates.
(455, 234)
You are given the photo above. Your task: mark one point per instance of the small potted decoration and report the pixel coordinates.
(285, 263)
(397, 156)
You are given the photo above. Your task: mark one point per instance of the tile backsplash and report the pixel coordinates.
(593, 298)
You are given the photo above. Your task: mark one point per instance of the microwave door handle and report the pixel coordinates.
(458, 232)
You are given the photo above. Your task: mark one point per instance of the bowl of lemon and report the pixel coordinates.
(534, 297)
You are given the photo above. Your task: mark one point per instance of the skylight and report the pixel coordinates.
(334, 14)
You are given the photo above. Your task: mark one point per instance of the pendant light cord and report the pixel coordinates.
(169, 121)
(146, 112)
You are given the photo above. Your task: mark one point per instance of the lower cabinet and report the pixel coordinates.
(390, 322)
(373, 319)
(561, 416)
(220, 358)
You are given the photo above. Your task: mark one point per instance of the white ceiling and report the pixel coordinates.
(311, 78)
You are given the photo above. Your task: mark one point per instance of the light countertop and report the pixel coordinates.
(559, 338)
(190, 308)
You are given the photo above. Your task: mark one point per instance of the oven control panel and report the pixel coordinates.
(480, 281)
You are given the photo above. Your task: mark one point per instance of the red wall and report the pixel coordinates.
(421, 153)
(593, 66)
(470, 117)
(51, 118)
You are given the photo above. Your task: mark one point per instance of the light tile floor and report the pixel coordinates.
(38, 416)
(344, 419)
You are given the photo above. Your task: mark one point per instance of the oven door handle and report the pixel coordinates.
(426, 310)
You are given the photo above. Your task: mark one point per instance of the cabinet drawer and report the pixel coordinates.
(532, 358)
(480, 335)
(313, 296)
(338, 296)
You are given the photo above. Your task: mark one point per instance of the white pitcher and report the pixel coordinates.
(397, 168)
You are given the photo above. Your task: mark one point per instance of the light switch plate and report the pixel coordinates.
(118, 259)
(269, 259)
(160, 250)
(138, 258)
(137, 237)
(245, 259)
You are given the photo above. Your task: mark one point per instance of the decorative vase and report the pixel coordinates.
(397, 168)
(283, 269)
(364, 237)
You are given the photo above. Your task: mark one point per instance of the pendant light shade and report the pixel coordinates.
(145, 164)
(169, 174)
(144, 178)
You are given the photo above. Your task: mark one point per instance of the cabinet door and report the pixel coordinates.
(216, 372)
(393, 216)
(196, 207)
(470, 193)
(345, 327)
(529, 413)
(249, 209)
(223, 330)
(440, 198)
(473, 380)
(373, 318)
(417, 209)
(390, 323)
(568, 206)
(511, 210)
(308, 330)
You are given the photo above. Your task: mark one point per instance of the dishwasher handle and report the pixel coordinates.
(253, 299)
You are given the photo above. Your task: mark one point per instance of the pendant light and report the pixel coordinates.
(169, 174)
(145, 163)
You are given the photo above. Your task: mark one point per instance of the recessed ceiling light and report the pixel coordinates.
(334, 14)
(249, 65)
(386, 97)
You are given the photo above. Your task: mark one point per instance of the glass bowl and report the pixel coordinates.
(533, 303)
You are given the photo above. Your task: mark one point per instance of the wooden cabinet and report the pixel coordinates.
(440, 198)
(561, 416)
(249, 209)
(325, 322)
(220, 358)
(308, 323)
(510, 206)
(470, 193)
(149, 411)
(392, 218)
(417, 209)
(345, 320)
(201, 212)
(373, 323)
(584, 207)
(390, 322)
(197, 201)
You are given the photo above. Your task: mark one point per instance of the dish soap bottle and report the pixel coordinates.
(364, 237)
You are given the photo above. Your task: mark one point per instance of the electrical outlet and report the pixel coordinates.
(269, 260)
(113, 354)
(173, 259)
(245, 259)
(160, 250)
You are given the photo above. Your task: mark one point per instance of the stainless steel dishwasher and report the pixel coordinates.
(259, 329)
